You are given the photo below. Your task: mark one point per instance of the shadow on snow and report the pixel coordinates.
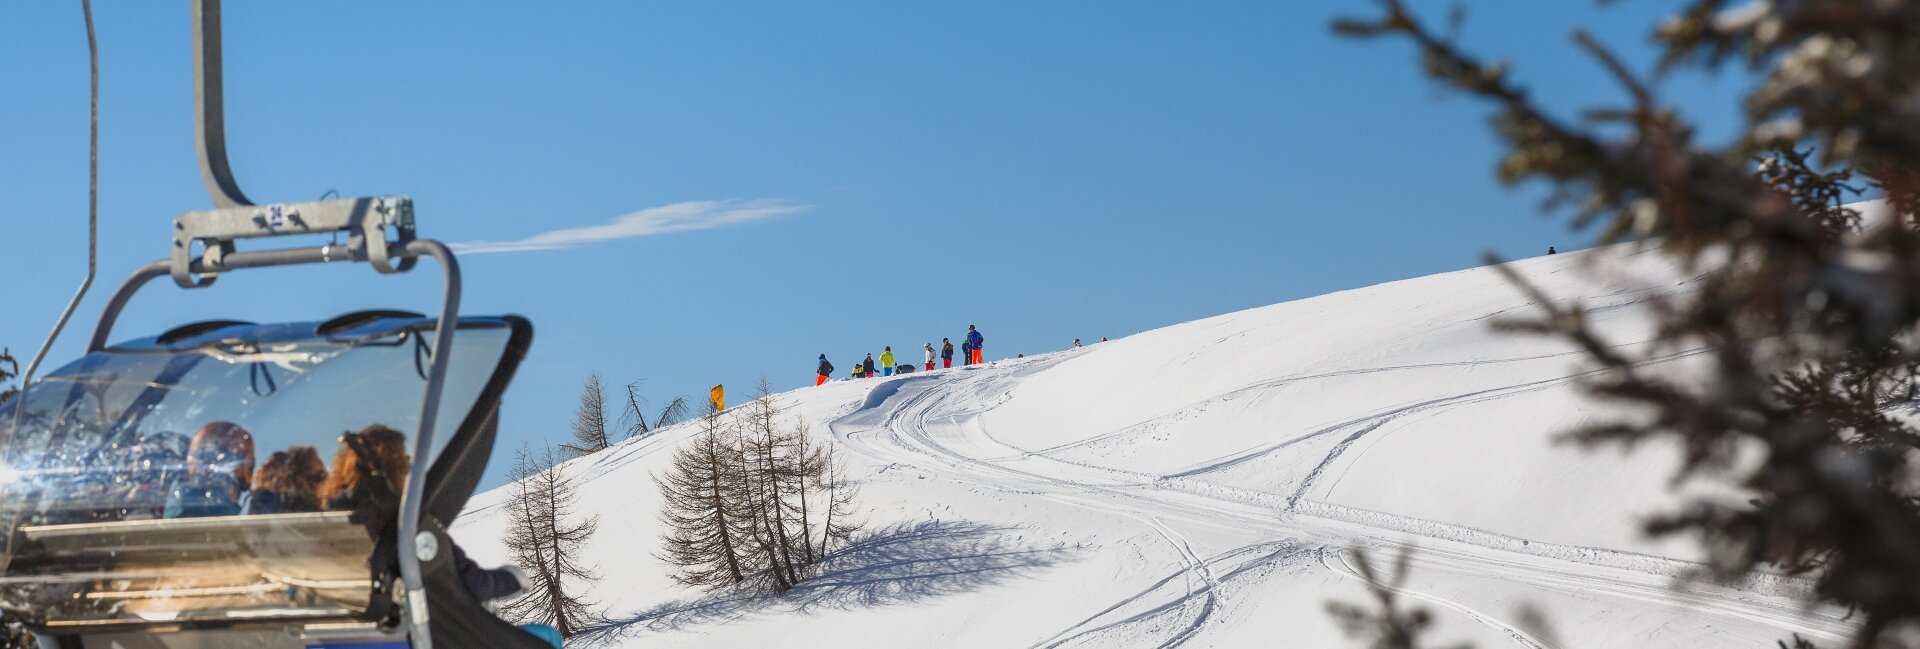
(895, 565)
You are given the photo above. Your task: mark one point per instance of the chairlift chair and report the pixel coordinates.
(113, 539)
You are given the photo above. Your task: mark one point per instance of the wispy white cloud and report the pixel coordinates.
(678, 217)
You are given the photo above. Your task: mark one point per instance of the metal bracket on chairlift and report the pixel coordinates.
(235, 217)
(364, 220)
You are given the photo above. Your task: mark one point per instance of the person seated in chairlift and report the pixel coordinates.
(219, 473)
(157, 463)
(288, 482)
(370, 472)
(370, 468)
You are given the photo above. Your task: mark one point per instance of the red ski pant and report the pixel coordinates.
(822, 378)
(929, 365)
(976, 356)
(946, 362)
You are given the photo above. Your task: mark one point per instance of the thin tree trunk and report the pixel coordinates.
(776, 504)
(806, 531)
(717, 485)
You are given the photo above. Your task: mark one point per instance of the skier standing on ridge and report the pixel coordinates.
(868, 366)
(1076, 343)
(929, 357)
(975, 340)
(966, 353)
(946, 352)
(886, 361)
(825, 370)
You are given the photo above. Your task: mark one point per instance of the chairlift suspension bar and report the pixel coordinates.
(410, 541)
(209, 108)
(93, 208)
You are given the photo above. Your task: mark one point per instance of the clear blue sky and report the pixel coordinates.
(882, 172)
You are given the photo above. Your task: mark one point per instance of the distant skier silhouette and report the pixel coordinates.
(1551, 251)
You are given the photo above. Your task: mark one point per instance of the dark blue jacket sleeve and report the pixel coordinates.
(483, 584)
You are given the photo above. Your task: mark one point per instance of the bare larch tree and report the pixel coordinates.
(770, 485)
(545, 537)
(705, 507)
(751, 499)
(590, 419)
(633, 417)
(828, 476)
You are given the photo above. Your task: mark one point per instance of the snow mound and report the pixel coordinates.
(1200, 485)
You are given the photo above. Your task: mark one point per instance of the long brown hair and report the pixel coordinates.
(296, 475)
(350, 475)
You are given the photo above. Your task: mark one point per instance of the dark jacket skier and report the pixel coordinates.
(974, 342)
(825, 370)
(868, 366)
(946, 352)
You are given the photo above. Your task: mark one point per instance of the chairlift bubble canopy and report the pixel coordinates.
(160, 493)
(99, 484)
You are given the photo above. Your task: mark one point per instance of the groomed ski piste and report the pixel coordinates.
(1200, 485)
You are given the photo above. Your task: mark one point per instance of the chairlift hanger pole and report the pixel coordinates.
(93, 209)
(209, 108)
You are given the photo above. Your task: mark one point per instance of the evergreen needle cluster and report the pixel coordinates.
(1806, 312)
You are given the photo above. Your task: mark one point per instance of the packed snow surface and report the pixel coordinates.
(1202, 484)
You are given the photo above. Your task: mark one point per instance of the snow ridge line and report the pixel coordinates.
(1203, 404)
(1406, 409)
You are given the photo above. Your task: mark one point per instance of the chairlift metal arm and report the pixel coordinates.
(237, 261)
(209, 108)
(411, 542)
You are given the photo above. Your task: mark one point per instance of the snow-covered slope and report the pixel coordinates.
(1199, 484)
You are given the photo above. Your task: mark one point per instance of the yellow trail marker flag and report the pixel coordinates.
(719, 397)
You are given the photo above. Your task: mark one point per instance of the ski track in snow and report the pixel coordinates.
(923, 422)
(1338, 563)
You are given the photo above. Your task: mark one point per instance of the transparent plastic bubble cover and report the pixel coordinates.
(214, 477)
